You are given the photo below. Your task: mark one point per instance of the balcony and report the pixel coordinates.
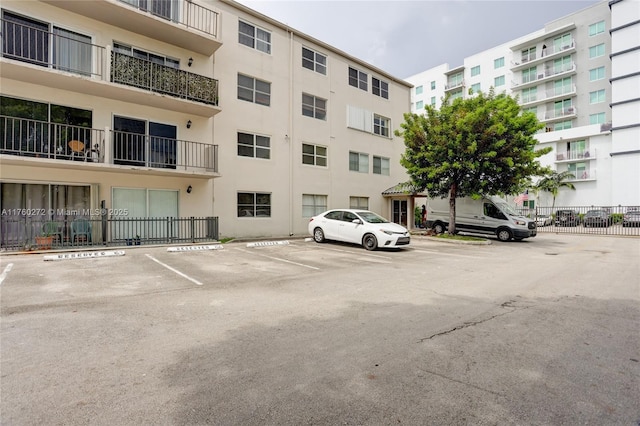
(583, 175)
(147, 75)
(548, 95)
(552, 52)
(36, 56)
(182, 23)
(559, 114)
(67, 146)
(575, 155)
(454, 85)
(542, 75)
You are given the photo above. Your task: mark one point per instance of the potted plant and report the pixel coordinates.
(44, 241)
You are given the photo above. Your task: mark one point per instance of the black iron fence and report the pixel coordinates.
(24, 232)
(605, 220)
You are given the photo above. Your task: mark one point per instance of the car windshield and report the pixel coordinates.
(507, 209)
(371, 217)
(596, 213)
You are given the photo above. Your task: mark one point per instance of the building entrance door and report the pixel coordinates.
(400, 215)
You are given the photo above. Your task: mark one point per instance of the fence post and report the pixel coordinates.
(192, 226)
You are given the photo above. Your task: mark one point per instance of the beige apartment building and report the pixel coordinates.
(185, 121)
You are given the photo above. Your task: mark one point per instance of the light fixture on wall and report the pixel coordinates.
(189, 189)
(189, 124)
(190, 61)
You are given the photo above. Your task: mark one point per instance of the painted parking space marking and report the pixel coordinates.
(268, 243)
(195, 248)
(193, 280)
(356, 253)
(444, 253)
(279, 259)
(5, 271)
(84, 255)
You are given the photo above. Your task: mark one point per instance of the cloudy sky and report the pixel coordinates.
(406, 37)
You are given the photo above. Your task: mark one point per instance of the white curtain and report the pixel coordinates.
(72, 51)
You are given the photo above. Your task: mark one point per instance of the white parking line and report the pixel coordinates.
(357, 253)
(444, 253)
(279, 259)
(196, 282)
(5, 272)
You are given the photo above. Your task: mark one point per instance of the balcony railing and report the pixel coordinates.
(183, 12)
(546, 73)
(560, 113)
(548, 94)
(52, 50)
(573, 155)
(141, 150)
(454, 85)
(144, 74)
(33, 138)
(80, 228)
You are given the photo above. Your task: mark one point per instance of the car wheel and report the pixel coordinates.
(438, 228)
(370, 242)
(318, 235)
(504, 234)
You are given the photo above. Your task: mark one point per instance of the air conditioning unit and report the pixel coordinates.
(540, 76)
(570, 110)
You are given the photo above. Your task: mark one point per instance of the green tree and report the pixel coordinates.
(481, 145)
(553, 181)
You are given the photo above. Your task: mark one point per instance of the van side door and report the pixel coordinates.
(492, 218)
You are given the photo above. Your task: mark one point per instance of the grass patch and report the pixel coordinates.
(459, 237)
(226, 240)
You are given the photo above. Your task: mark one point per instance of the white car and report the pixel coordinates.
(358, 227)
(543, 220)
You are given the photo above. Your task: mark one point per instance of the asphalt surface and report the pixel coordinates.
(539, 332)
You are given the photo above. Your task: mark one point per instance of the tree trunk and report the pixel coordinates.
(452, 209)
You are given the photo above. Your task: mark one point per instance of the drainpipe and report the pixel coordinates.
(289, 136)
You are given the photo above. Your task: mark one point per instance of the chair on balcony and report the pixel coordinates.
(80, 231)
(53, 229)
(77, 149)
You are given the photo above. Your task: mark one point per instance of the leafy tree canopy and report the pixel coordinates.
(482, 145)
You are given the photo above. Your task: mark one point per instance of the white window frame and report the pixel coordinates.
(316, 155)
(475, 88)
(251, 210)
(359, 80)
(381, 125)
(597, 96)
(360, 163)
(381, 165)
(259, 39)
(498, 63)
(256, 89)
(596, 74)
(313, 204)
(499, 81)
(379, 87)
(597, 28)
(360, 203)
(318, 63)
(260, 146)
(597, 51)
(475, 71)
(597, 118)
(314, 107)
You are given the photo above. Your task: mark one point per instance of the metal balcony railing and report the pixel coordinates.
(54, 50)
(183, 12)
(136, 149)
(560, 113)
(145, 74)
(573, 155)
(33, 138)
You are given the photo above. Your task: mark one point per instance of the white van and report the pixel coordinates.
(488, 215)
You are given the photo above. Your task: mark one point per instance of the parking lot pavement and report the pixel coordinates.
(542, 331)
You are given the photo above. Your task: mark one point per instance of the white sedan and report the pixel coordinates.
(358, 227)
(543, 220)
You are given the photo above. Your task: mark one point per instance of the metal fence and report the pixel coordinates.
(71, 232)
(604, 220)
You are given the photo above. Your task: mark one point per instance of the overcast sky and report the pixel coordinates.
(408, 37)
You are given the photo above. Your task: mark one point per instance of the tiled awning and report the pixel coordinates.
(403, 188)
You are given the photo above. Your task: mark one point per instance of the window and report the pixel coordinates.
(579, 170)
(597, 28)
(380, 88)
(380, 166)
(313, 204)
(255, 146)
(596, 51)
(314, 107)
(254, 204)
(562, 42)
(563, 86)
(419, 105)
(475, 71)
(254, 37)
(253, 90)
(529, 95)
(562, 64)
(314, 61)
(597, 96)
(358, 162)
(433, 85)
(433, 101)
(34, 42)
(359, 203)
(419, 90)
(528, 54)
(358, 79)
(498, 63)
(144, 143)
(145, 55)
(533, 109)
(455, 95)
(139, 202)
(562, 125)
(314, 155)
(529, 75)
(596, 74)
(475, 88)
(498, 81)
(455, 80)
(381, 125)
(597, 118)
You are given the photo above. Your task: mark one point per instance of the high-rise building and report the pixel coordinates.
(135, 113)
(579, 75)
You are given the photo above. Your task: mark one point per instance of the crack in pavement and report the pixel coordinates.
(509, 304)
(451, 379)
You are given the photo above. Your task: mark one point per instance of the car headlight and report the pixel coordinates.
(386, 231)
(520, 222)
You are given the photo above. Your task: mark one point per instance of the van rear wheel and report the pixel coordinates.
(438, 228)
(504, 234)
